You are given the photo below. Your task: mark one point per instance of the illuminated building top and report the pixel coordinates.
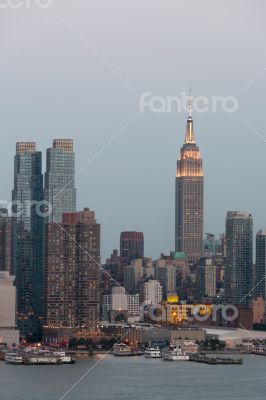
(189, 163)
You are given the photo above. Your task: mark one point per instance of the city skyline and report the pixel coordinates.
(64, 91)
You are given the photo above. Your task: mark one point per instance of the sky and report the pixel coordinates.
(77, 69)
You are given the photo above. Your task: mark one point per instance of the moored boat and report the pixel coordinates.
(13, 358)
(174, 353)
(152, 352)
(122, 349)
(65, 359)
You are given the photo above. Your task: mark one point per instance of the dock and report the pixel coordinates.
(213, 360)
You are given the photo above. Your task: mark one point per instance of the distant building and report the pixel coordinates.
(119, 306)
(189, 198)
(59, 188)
(166, 275)
(260, 273)
(239, 260)
(133, 274)
(9, 333)
(152, 292)
(206, 279)
(27, 196)
(72, 261)
(131, 246)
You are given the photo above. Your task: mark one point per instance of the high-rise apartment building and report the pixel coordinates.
(189, 198)
(59, 188)
(239, 258)
(27, 196)
(72, 260)
(260, 284)
(131, 246)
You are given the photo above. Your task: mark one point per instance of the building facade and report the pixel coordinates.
(189, 198)
(27, 197)
(152, 292)
(9, 333)
(260, 264)
(6, 241)
(239, 260)
(206, 279)
(59, 188)
(72, 263)
(131, 246)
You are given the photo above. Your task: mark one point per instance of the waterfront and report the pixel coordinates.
(134, 378)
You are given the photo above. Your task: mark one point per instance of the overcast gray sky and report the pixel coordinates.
(59, 81)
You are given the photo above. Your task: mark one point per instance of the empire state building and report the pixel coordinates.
(189, 197)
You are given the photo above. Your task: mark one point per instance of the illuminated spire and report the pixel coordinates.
(189, 138)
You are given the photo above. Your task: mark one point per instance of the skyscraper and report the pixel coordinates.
(72, 259)
(239, 260)
(27, 196)
(59, 190)
(6, 241)
(131, 246)
(189, 197)
(261, 264)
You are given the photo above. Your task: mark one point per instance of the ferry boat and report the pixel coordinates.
(152, 352)
(65, 359)
(13, 358)
(174, 353)
(122, 349)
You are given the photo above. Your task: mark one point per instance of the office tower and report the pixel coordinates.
(131, 246)
(152, 292)
(239, 260)
(206, 279)
(59, 189)
(8, 330)
(166, 275)
(189, 198)
(27, 196)
(133, 274)
(260, 289)
(72, 262)
(6, 241)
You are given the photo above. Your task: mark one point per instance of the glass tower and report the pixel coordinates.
(59, 188)
(27, 196)
(239, 258)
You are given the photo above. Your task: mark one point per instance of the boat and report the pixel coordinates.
(122, 349)
(175, 353)
(65, 359)
(13, 358)
(152, 352)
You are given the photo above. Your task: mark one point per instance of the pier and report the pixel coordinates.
(203, 358)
